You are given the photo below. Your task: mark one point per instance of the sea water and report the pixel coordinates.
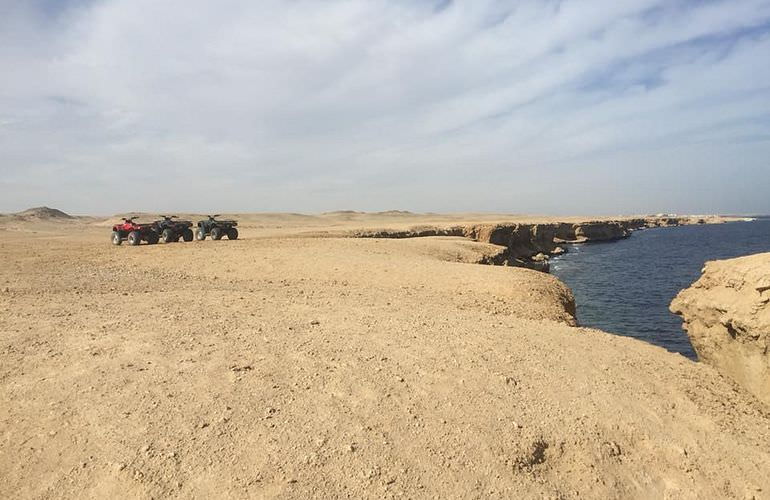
(625, 287)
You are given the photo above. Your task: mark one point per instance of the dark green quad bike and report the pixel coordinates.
(216, 229)
(171, 230)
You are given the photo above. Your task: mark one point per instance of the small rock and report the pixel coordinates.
(315, 322)
(613, 449)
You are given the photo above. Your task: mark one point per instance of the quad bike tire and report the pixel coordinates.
(216, 233)
(232, 234)
(134, 238)
(116, 239)
(200, 234)
(152, 237)
(187, 235)
(168, 236)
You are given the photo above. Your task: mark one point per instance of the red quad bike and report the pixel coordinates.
(134, 232)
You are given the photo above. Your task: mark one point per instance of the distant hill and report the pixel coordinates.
(44, 213)
(395, 212)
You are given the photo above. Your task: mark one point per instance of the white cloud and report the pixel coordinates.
(486, 105)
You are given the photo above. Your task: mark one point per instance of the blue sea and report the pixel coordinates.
(625, 287)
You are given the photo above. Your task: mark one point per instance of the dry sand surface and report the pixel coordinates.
(298, 367)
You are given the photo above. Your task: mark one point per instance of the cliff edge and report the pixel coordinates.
(727, 317)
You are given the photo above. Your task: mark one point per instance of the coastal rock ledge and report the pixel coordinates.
(727, 317)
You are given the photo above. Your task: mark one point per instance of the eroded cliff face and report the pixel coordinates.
(527, 245)
(600, 231)
(727, 317)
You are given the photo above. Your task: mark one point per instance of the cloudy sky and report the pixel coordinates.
(537, 106)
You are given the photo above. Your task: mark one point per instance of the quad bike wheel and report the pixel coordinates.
(232, 234)
(200, 235)
(168, 236)
(134, 238)
(116, 239)
(187, 235)
(152, 237)
(216, 233)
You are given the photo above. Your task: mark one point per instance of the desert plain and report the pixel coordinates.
(299, 362)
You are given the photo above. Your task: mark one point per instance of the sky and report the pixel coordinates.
(528, 106)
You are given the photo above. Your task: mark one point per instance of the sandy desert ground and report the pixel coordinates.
(295, 363)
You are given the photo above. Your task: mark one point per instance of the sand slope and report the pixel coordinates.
(333, 367)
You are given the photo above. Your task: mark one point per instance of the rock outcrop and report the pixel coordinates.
(727, 317)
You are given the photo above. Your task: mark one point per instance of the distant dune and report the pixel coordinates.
(343, 212)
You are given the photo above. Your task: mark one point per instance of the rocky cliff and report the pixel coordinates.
(530, 245)
(727, 316)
